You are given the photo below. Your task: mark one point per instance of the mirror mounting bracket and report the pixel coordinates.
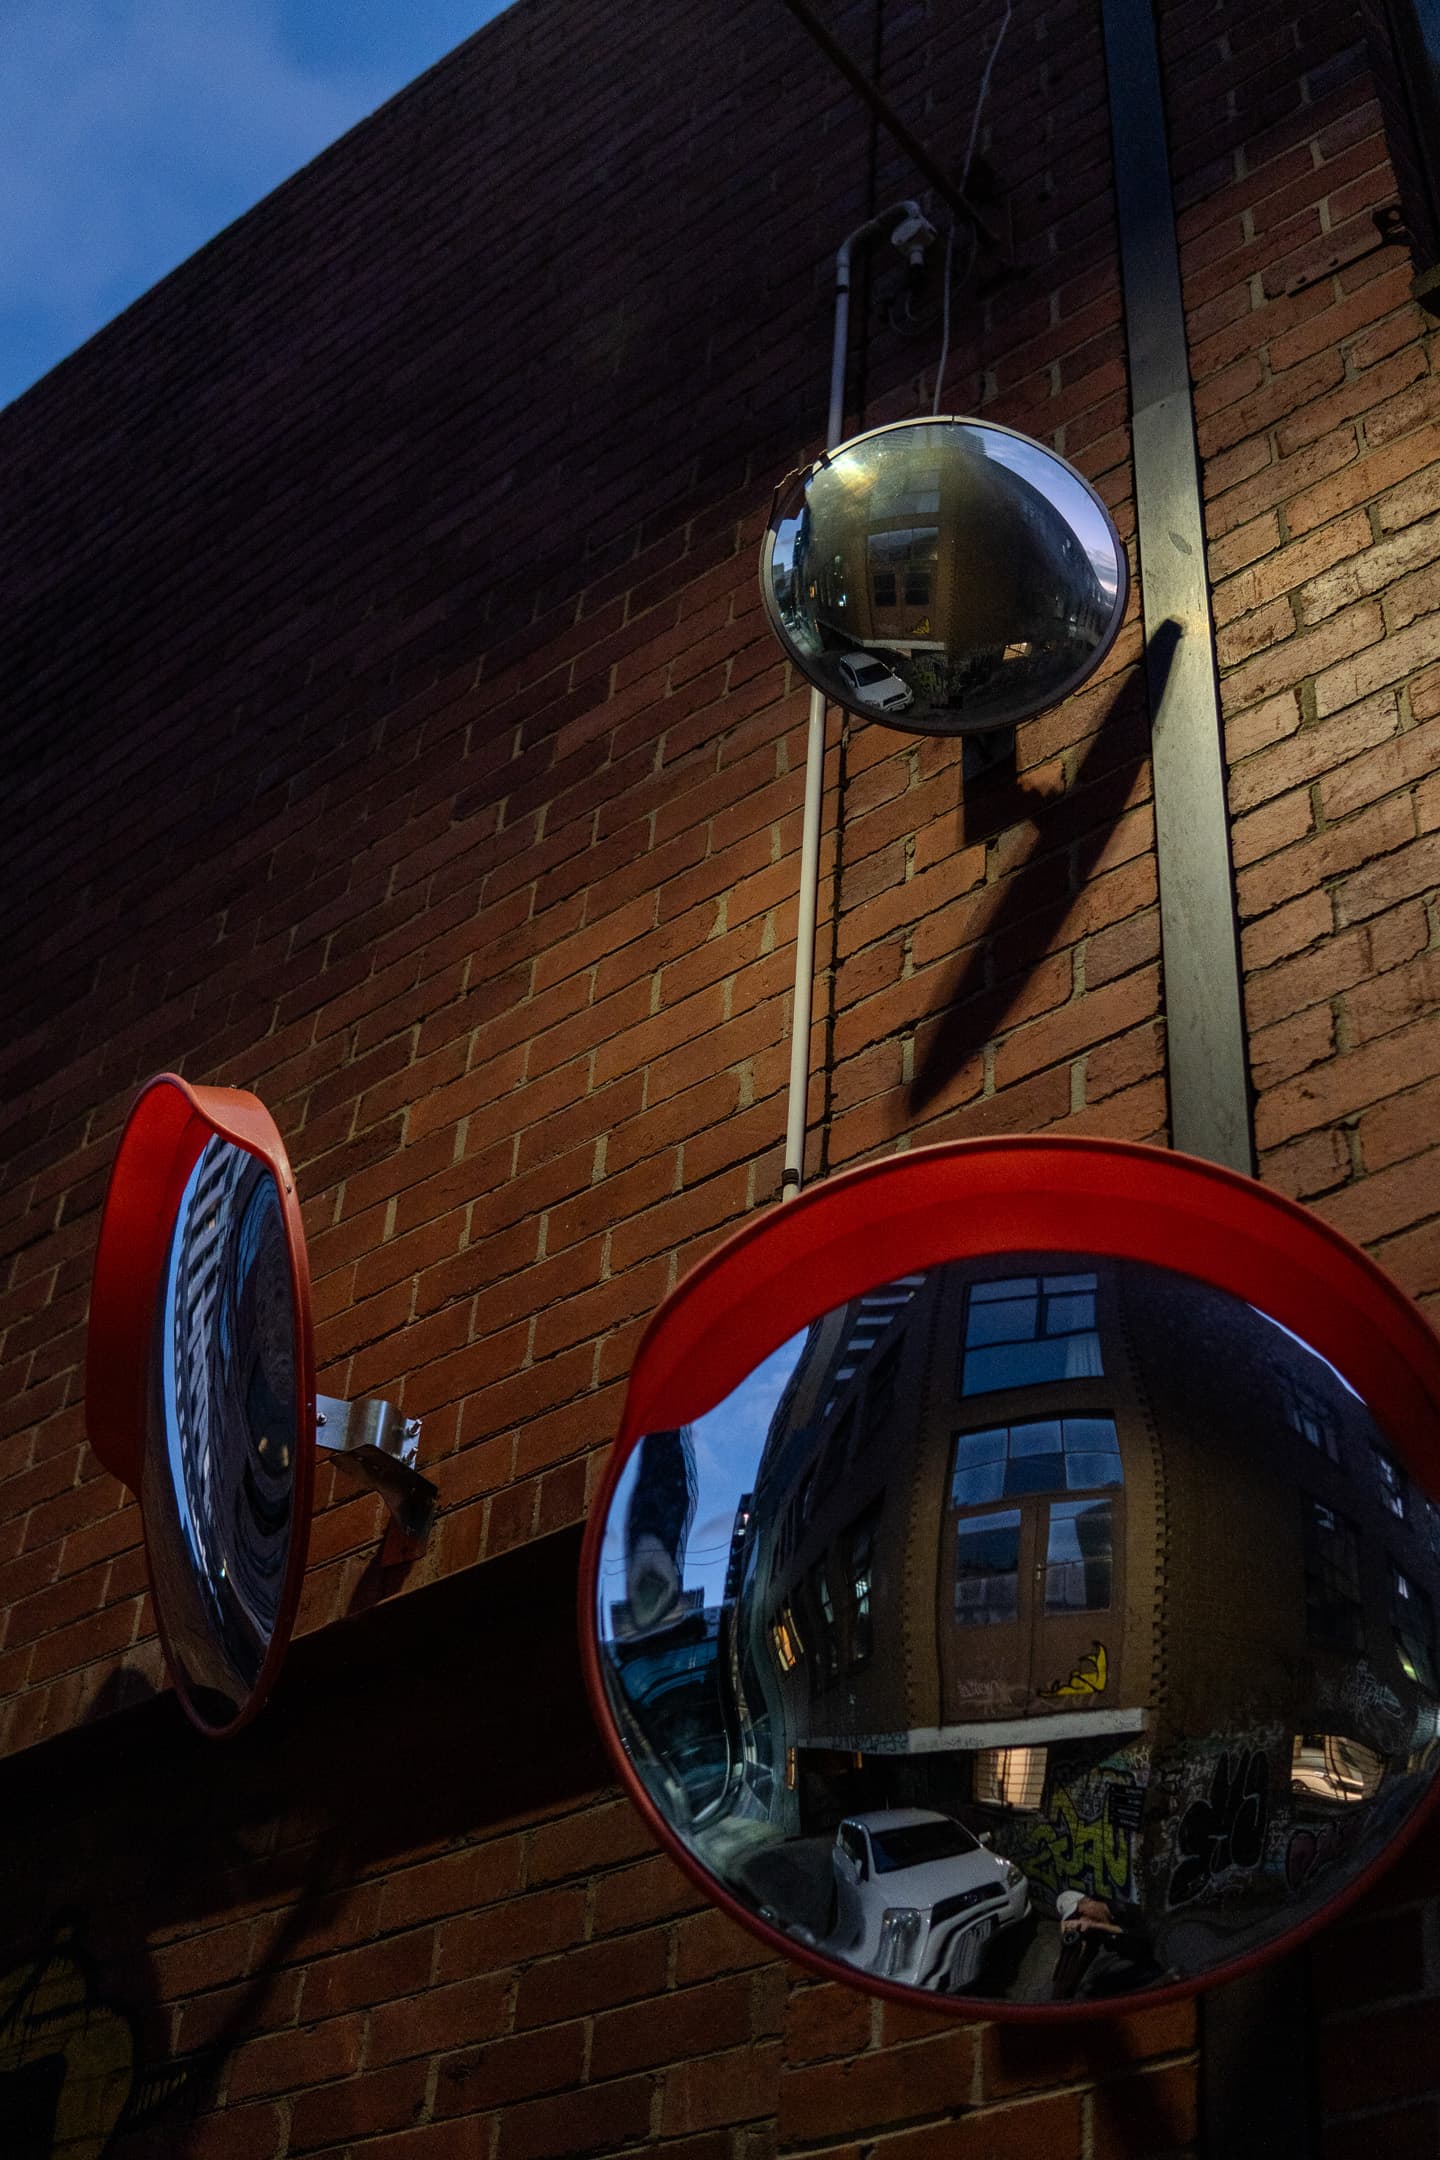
(373, 1442)
(987, 749)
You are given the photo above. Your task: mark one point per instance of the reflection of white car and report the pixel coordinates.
(919, 1897)
(871, 684)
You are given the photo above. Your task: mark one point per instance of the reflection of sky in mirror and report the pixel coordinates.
(727, 1444)
(1309, 1352)
(1044, 470)
(179, 1479)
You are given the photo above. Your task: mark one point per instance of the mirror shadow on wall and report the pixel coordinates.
(1036, 1629)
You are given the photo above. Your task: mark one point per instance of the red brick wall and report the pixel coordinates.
(397, 734)
(1316, 402)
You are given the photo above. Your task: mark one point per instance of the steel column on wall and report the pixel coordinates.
(1252, 2032)
(1205, 1028)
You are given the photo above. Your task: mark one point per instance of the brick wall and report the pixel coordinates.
(1316, 400)
(397, 734)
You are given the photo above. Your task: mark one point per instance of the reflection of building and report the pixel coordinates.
(990, 1532)
(198, 1264)
(665, 1642)
(234, 1409)
(1092, 1552)
(657, 1525)
(962, 556)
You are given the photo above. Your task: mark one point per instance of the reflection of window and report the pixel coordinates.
(880, 1392)
(1332, 1578)
(1307, 1415)
(786, 1637)
(900, 489)
(987, 1567)
(1392, 1480)
(1030, 1328)
(917, 588)
(829, 589)
(1078, 1557)
(859, 1548)
(1075, 1454)
(832, 1462)
(1334, 1767)
(822, 1604)
(1010, 1777)
(883, 587)
(1414, 1622)
(852, 1844)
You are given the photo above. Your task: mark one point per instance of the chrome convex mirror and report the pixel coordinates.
(200, 1393)
(943, 576)
(1018, 1579)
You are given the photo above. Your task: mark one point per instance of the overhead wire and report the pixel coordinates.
(980, 101)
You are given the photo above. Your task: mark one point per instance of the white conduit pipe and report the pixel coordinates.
(802, 1006)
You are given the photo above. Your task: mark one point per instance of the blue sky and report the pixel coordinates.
(728, 1442)
(132, 131)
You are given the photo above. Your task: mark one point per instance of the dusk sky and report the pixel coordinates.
(132, 131)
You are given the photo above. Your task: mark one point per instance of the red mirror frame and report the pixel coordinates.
(972, 1198)
(169, 1126)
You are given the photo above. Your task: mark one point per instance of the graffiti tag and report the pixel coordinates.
(1066, 1853)
(1089, 1676)
(1224, 1832)
(1373, 1705)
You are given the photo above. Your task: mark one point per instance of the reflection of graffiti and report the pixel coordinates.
(1376, 1708)
(1085, 1839)
(1089, 1675)
(979, 1690)
(67, 2062)
(1225, 1831)
(1312, 1849)
(1065, 1853)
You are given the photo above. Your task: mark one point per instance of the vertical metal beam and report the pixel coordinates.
(1209, 1082)
(1253, 2032)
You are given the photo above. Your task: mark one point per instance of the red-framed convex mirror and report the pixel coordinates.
(1015, 1582)
(200, 1389)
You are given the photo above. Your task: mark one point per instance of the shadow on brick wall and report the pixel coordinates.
(195, 1886)
(1042, 891)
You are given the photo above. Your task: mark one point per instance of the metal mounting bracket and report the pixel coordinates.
(373, 1442)
(985, 750)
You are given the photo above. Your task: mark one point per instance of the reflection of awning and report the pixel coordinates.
(992, 1733)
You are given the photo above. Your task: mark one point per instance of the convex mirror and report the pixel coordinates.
(943, 576)
(200, 1390)
(1016, 1583)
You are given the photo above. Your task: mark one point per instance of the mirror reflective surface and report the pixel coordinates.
(219, 1469)
(1035, 1630)
(943, 576)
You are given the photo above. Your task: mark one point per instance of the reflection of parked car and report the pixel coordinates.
(871, 684)
(919, 1897)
